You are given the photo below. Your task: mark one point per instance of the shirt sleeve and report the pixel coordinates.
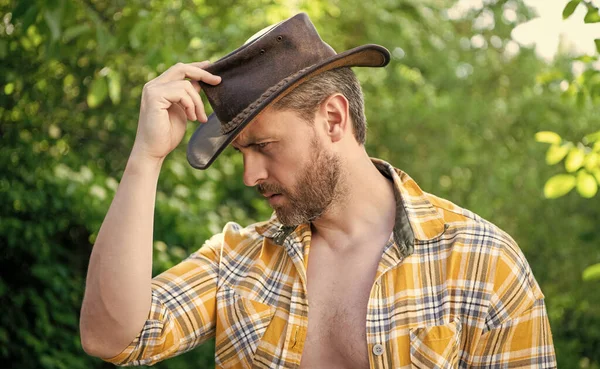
(183, 310)
(517, 331)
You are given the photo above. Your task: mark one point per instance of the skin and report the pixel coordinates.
(348, 234)
(118, 291)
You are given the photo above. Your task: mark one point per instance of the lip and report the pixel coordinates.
(274, 198)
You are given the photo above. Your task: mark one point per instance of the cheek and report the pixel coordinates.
(283, 170)
(289, 164)
(289, 158)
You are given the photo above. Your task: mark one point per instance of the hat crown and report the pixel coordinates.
(260, 33)
(265, 60)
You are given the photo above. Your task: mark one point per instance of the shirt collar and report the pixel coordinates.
(416, 217)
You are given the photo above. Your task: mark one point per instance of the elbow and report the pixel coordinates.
(90, 347)
(90, 343)
(94, 344)
(98, 348)
(86, 335)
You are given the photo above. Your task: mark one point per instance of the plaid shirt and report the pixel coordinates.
(451, 290)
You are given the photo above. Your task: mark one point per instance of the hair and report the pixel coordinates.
(306, 98)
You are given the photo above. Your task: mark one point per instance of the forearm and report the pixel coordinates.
(118, 287)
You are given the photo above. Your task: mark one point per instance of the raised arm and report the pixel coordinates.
(118, 296)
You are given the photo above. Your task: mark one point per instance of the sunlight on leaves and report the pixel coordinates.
(586, 184)
(559, 185)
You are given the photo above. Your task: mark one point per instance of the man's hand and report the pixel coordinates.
(168, 101)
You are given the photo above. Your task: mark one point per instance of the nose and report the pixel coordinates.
(254, 169)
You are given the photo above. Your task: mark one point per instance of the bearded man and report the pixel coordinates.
(357, 268)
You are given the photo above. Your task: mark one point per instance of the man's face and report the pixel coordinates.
(287, 162)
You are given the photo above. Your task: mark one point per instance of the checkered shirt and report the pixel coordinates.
(451, 290)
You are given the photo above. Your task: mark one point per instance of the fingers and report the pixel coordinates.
(198, 105)
(166, 95)
(196, 85)
(182, 98)
(179, 85)
(202, 64)
(193, 71)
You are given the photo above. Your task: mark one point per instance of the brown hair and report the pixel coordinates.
(306, 98)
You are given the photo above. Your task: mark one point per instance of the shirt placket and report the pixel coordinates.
(379, 310)
(297, 246)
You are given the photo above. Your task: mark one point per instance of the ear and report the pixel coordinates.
(335, 111)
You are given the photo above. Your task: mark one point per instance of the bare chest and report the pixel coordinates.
(338, 295)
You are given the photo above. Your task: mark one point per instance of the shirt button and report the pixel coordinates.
(378, 349)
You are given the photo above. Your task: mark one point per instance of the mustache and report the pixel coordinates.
(269, 188)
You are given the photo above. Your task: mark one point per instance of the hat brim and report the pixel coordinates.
(207, 142)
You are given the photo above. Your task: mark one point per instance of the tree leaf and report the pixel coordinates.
(75, 31)
(597, 42)
(570, 8)
(574, 160)
(106, 41)
(30, 16)
(97, 93)
(586, 58)
(586, 184)
(137, 34)
(592, 137)
(559, 185)
(548, 137)
(592, 16)
(597, 175)
(592, 161)
(114, 87)
(53, 19)
(557, 153)
(592, 273)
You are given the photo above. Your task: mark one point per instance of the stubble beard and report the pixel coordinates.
(315, 191)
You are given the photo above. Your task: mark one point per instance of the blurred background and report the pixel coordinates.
(460, 107)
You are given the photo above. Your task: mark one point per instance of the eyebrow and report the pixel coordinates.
(251, 141)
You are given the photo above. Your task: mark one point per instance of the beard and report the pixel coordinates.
(316, 189)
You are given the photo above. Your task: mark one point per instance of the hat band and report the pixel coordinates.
(244, 114)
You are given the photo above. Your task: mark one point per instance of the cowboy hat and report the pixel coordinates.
(260, 72)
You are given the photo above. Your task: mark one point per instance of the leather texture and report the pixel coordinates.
(262, 71)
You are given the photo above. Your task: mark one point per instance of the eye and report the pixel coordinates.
(262, 145)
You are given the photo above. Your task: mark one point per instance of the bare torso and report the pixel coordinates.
(339, 285)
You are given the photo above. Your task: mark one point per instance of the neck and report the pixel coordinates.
(365, 206)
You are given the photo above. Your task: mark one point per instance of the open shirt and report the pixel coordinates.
(451, 290)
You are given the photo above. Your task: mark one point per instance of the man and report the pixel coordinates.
(357, 268)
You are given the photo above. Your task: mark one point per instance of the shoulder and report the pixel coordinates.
(471, 228)
(492, 255)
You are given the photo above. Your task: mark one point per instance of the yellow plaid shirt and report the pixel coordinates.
(451, 290)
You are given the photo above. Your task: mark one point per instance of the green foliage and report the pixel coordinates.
(548, 137)
(456, 109)
(570, 8)
(592, 273)
(559, 185)
(592, 15)
(583, 158)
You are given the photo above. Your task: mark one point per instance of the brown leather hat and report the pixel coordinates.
(261, 72)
